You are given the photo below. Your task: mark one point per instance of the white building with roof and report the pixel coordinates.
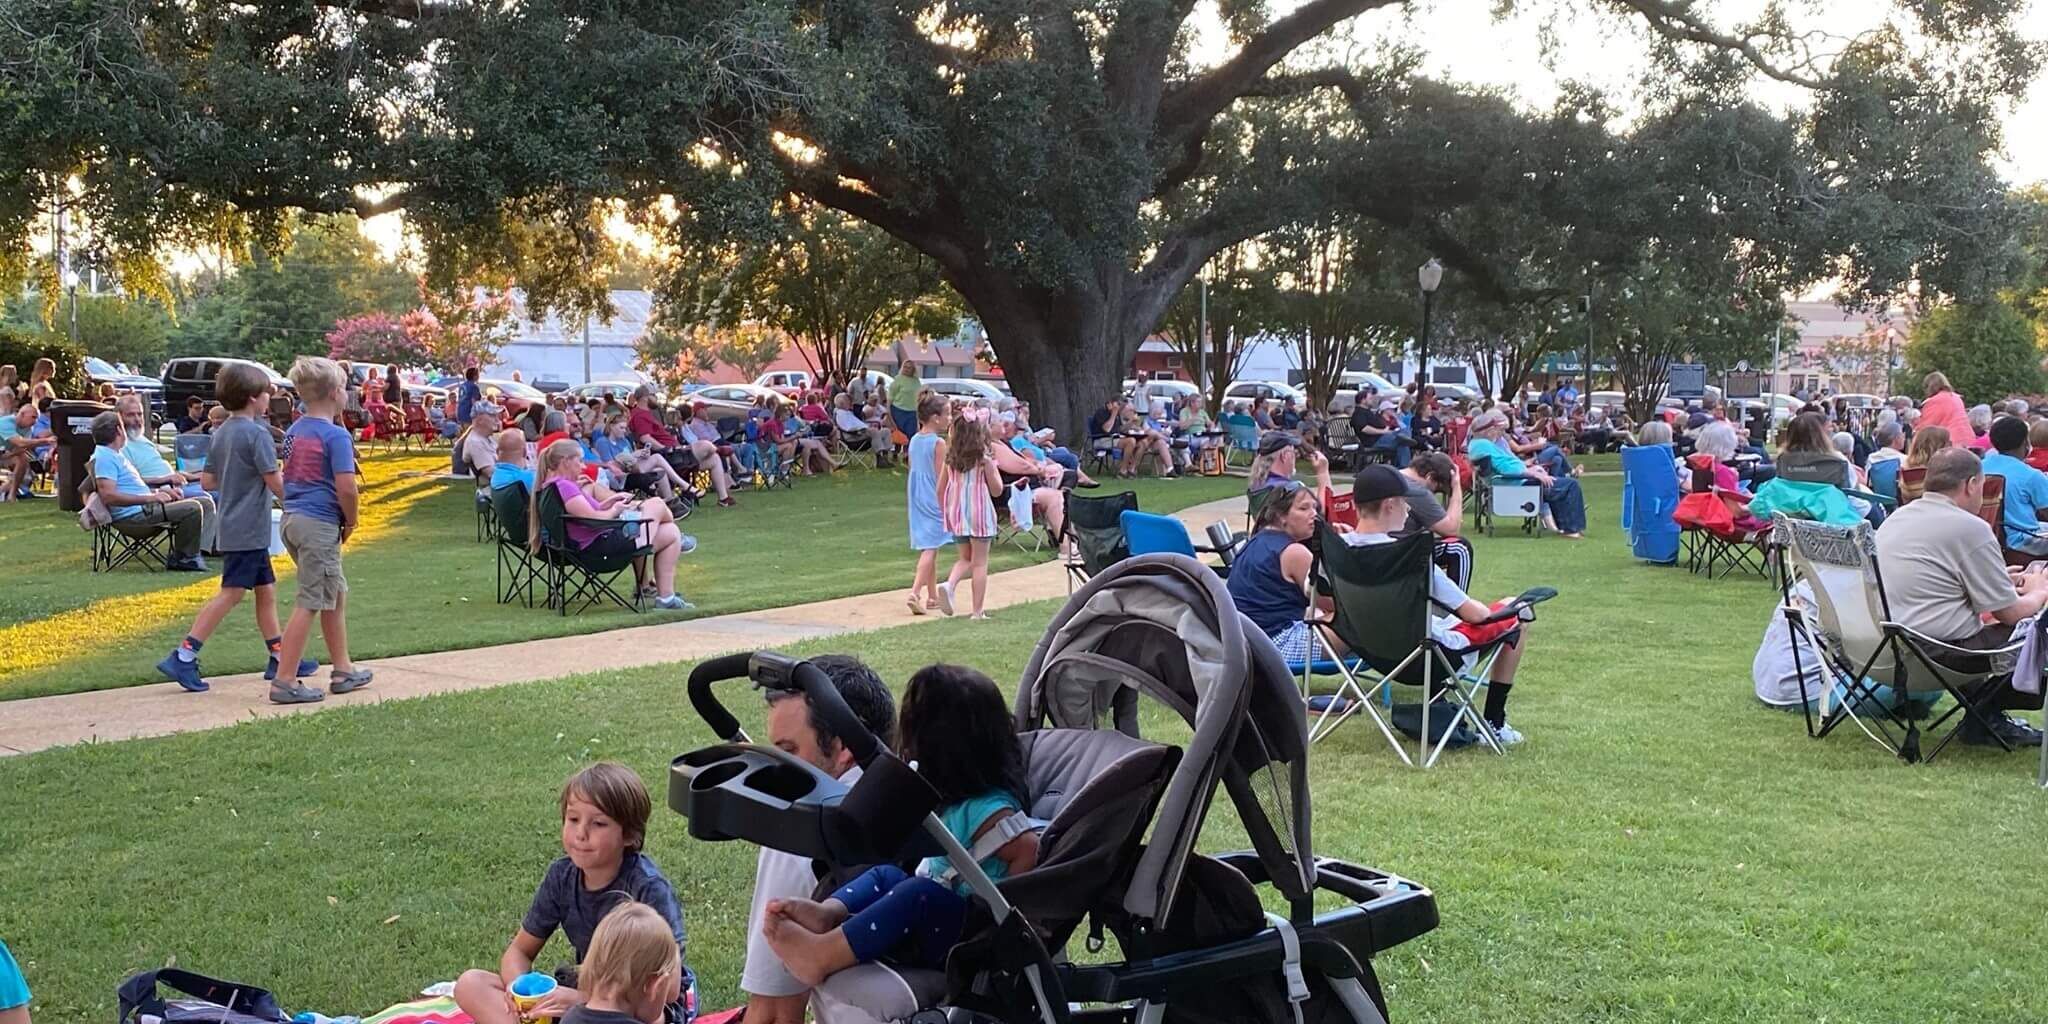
(555, 349)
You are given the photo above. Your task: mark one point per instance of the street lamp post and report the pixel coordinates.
(1429, 276)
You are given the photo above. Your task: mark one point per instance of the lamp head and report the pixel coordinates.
(1430, 274)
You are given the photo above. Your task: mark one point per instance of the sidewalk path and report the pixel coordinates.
(158, 710)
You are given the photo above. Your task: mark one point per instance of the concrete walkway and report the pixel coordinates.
(159, 710)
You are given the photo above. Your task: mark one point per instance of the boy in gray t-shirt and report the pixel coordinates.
(242, 472)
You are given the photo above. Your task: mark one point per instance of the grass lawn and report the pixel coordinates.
(421, 582)
(1662, 848)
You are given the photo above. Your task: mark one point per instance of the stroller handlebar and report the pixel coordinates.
(772, 670)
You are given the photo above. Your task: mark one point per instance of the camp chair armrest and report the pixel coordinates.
(1514, 608)
(1876, 499)
(602, 524)
(1931, 645)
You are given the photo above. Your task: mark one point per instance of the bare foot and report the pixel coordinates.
(810, 957)
(814, 916)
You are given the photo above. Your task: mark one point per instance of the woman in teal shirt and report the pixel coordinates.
(1566, 504)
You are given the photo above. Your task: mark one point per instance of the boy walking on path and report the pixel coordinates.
(319, 514)
(241, 468)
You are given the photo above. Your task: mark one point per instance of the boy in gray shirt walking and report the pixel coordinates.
(241, 471)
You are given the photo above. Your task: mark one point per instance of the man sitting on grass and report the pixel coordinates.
(1943, 572)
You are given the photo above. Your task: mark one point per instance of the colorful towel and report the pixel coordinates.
(441, 1010)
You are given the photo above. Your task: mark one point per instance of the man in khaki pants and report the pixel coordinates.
(137, 508)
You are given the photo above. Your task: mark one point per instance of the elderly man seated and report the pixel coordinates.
(1564, 503)
(2026, 488)
(479, 445)
(24, 444)
(1944, 573)
(143, 455)
(852, 427)
(136, 508)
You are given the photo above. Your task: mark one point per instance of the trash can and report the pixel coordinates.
(71, 425)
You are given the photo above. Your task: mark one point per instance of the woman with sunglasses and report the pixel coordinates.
(1269, 577)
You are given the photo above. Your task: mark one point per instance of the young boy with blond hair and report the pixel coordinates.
(319, 515)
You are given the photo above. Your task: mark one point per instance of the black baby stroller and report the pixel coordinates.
(1196, 944)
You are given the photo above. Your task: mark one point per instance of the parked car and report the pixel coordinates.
(1271, 390)
(511, 395)
(619, 390)
(730, 399)
(1162, 389)
(187, 376)
(1861, 401)
(785, 382)
(99, 372)
(1451, 394)
(965, 389)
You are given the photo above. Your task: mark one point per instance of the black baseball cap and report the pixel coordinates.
(1276, 440)
(1377, 483)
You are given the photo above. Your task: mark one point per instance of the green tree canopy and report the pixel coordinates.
(1068, 167)
(1987, 349)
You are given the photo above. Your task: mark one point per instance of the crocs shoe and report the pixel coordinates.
(348, 682)
(307, 666)
(184, 673)
(673, 603)
(296, 693)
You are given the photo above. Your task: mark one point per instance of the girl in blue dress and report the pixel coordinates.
(927, 524)
(957, 728)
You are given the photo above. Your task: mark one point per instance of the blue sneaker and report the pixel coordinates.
(307, 667)
(184, 673)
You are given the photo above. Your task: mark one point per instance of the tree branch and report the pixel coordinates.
(1676, 19)
(1299, 82)
(401, 10)
(1195, 102)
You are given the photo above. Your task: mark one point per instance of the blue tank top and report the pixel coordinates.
(1269, 599)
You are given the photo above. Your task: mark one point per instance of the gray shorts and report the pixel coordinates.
(315, 546)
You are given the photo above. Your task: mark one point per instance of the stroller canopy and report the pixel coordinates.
(1163, 626)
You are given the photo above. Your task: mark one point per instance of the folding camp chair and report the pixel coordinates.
(1884, 478)
(1649, 496)
(486, 517)
(1244, 439)
(1912, 483)
(191, 450)
(575, 576)
(1007, 530)
(112, 549)
(1380, 594)
(518, 568)
(1093, 538)
(1147, 533)
(1866, 650)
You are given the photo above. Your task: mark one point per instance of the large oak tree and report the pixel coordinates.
(1066, 164)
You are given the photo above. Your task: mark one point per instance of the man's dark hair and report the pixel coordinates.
(471, 373)
(192, 400)
(106, 427)
(1436, 469)
(2009, 435)
(1950, 469)
(865, 695)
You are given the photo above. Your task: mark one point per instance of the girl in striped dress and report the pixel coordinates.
(968, 483)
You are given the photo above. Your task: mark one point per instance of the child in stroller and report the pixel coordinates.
(956, 727)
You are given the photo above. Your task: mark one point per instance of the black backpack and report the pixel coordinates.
(207, 999)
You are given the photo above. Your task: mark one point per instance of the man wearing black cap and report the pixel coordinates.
(1381, 493)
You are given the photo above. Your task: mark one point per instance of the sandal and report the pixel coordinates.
(348, 682)
(916, 606)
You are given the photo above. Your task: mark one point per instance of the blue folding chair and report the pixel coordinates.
(192, 450)
(1649, 497)
(1884, 478)
(1147, 534)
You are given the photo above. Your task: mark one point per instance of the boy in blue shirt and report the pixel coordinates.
(13, 990)
(2026, 488)
(241, 467)
(319, 514)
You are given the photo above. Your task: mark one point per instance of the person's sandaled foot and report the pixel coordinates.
(296, 693)
(339, 682)
(916, 606)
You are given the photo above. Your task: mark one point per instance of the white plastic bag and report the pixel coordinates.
(1020, 505)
